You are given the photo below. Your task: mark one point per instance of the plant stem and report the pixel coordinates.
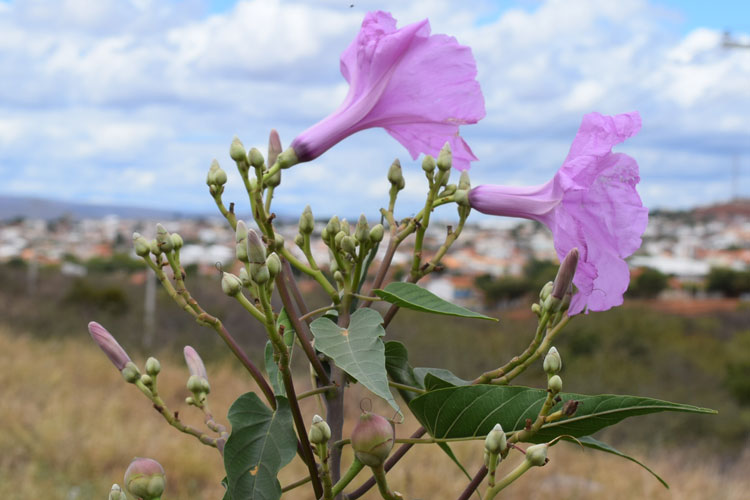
(474, 484)
(512, 476)
(347, 478)
(405, 387)
(319, 310)
(296, 484)
(315, 391)
(322, 452)
(379, 475)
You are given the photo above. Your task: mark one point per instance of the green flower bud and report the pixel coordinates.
(463, 181)
(299, 240)
(428, 164)
(274, 147)
(260, 273)
(195, 384)
(545, 291)
(256, 158)
(189, 401)
(177, 241)
(141, 245)
(237, 151)
(396, 176)
(205, 386)
(155, 247)
(320, 432)
(445, 158)
(163, 239)
(349, 245)
(449, 190)
(145, 479)
(536, 309)
(376, 233)
(147, 380)
(339, 238)
(153, 367)
(131, 373)
(211, 176)
(245, 277)
(552, 362)
(306, 221)
(495, 442)
(278, 242)
(230, 284)
(240, 238)
(345, 227)
(554, 384)
(372, 439)
(256, 251)
(339, 277)
(332, 264)
(333, 226)
(274, 180)
(220, 176)
(324, 235)
(362, 231)
(536, 455)
(288, 158)
(274, 265)
(116, 493)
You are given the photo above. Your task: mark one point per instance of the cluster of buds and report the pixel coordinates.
(216, 179)
(350, 245)
(197, 383)
(555, 296)
(165, 243)
(495, 446)
(552, 365)
(258, 268)
(144, 479)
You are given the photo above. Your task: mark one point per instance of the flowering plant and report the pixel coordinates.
(419, 87)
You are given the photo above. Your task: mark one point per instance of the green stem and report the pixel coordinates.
(318, 390)
(325, 472)
(405, 387)
(249, 307)
(347, 478)
(380, 480)
(312, 313)
(296, 484)
(317, 275)
(491, 469)
(422, 228)
(512, 476)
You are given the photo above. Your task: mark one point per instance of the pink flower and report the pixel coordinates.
(419, 87)
(591, 204)
(109, 345)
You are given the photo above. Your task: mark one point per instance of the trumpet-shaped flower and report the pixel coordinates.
(591, 203)
(419, 87)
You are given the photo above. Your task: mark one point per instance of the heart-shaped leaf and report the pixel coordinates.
(412, 296)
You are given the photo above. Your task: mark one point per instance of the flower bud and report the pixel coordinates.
(163, 239)
(306, 221)
(141, 245)
(552, 361)
(177, 241)
(345, 227)
(372, 439)
(274, 179)
(256, 158)
(362, 231)
(145, 479)
(554, 384)
(155, 247)
(536, 455)
(256, 251)
(449, 190)
(324, 235)
(536, 309)
(245, 277)
(278, 242)
(153, 367)
(320, 432)
(463, 181)
(131, 373)
(333, 226)
(396, 176)
(274, 147)
(545, 291)
(116, 493)
(338, 239)
(428, 164)
(376, 233)
(230, 284)
(109, 345)
(260, 273)
(495, 442)
(219, 175)
(194, 362)
(274, 265)
(147, 380)
(240, 238)
(211, 176)
(299, 240)
(461, 197)
(349, 245)
(195, 384)
(565, 274)
(237, 151)
(339, 278)
(445, 158)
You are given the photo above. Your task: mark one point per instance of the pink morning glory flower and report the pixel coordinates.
(418, 87)
(591, 203)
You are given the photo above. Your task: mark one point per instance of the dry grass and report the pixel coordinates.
(69, 426)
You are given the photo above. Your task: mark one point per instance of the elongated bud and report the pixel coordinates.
(288, 158)
(230, 284)
(552, 362)
(211, 176)
(177, 241)
(345, 227)
(256, 158)
(464, 182)
(554, 384)
(109, 345)
(445, 158)
(274, 265)
(245, 277)
(260, 273)
(153, 367)
(396, 176)
(240, 238)
(372, 439)
(256, 251)
(194, 362)
(349, 245)
(306, 221)
(362, 231)
(536, 455)
(376, 233)
(565, 274)
(320, 432)
(274, 147)
(145, 479)
(333, 226)
(299, 240)
(237, 151)
(339, 238)
(116, 493)
(141, 245)
(428, 164)
(131, 373)
(163, 239)
(495, 442)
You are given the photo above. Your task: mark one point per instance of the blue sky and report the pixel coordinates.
(128, 101)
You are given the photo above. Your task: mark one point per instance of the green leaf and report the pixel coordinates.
(595, 444)
(261, 443)
(412, 296)
(358, 350)
(438, 378)
(398, 368)
(272, 369)
(472, 411)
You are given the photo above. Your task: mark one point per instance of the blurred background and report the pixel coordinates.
(111, 112)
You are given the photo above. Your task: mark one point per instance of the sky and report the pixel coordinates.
(128, 101)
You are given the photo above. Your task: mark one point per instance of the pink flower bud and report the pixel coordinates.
(372, 439)
(109, 345)
(565, 274)
(145, 478)
(274, 147)
(194, 362)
